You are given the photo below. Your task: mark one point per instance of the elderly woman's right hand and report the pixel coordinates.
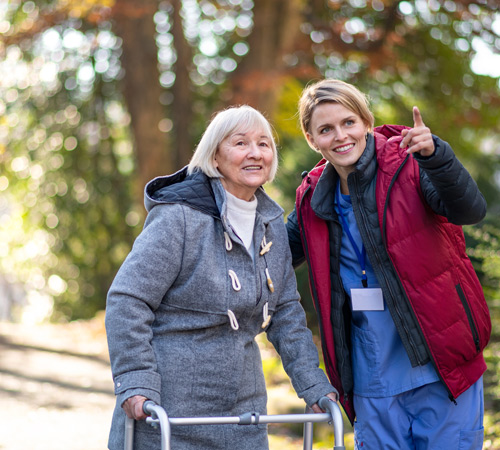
(133, 407)
(332, 396)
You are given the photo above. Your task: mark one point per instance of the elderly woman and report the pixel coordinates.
(209, 272)
(404, 319)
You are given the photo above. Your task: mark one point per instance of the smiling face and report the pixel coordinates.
(339, 135)
(244, 159)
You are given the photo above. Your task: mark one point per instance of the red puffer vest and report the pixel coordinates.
(428, 253)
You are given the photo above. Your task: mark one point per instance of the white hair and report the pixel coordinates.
(226, 122)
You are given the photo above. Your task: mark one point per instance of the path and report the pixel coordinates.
(55, 387)
(56, 391)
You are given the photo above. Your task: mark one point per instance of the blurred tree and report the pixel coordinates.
(99, 96)
(133, 23)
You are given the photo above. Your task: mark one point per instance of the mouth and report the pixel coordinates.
(344, 148)
(252, 168)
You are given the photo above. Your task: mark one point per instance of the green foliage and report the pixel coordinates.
(484, 249)
(65, 145)
(67, 164)
(68, 208)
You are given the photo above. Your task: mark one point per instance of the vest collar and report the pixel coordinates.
(366, 168)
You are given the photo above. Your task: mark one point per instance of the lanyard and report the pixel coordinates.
(361, 255)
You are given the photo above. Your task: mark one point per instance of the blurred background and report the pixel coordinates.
(98, 97)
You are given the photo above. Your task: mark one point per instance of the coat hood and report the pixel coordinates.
(200, 192)
(193, 190)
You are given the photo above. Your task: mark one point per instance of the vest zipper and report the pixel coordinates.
(363, 229)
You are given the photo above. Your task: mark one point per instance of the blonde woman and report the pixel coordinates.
(403, 317)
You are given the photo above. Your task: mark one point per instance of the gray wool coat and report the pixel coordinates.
(184, 310)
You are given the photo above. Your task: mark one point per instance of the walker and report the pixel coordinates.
(158, 417)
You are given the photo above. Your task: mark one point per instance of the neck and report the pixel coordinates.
(343, 173)
(344, 188)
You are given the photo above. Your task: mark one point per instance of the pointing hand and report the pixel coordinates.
(419, 138)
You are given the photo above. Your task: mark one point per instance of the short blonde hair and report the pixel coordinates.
(224, 123)
(335, 91)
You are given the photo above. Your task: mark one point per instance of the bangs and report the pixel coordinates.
(244, 120)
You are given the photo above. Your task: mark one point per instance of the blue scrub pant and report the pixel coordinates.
(423, 418)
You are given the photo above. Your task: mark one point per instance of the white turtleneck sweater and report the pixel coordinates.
(241, 216)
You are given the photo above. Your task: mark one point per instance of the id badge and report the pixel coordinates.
(367, 299)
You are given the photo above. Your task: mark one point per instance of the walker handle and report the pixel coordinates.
(157, 415)
(338, 422)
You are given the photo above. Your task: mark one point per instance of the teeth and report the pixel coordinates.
(344, 148)
(252, 167)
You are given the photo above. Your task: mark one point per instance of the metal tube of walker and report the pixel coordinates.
(129, 433)
(308, 432)
(338, 423)
(158, 414)
(253, 420)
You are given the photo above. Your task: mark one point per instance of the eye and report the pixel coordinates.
(264, 144)
(324, 130)
(350, 122)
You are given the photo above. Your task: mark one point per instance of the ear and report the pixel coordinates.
(310, 141)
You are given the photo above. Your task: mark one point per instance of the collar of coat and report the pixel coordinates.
(200, 192)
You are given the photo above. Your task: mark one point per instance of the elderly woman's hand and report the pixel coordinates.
(133, 407)
(332, 396)
(419, 138)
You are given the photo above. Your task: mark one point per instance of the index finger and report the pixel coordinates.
(417, 118)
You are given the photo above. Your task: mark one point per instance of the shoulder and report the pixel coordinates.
(268, 209)
(389, 153)
(310, 179)
(165, 219)
(176, 215)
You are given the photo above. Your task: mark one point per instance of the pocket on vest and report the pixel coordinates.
(470, 317)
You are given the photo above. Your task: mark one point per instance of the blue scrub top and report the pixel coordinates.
(380, 364)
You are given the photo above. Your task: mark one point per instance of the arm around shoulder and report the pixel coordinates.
(294, 240)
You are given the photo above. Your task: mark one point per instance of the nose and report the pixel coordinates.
(340, 134)
(255, 151)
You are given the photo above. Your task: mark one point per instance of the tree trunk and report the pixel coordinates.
(134, 24)
(256, 81)
(182, 105)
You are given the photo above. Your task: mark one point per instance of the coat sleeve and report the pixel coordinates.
(294, 240)
(136, 292)
(293, 341)
(448, 187)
